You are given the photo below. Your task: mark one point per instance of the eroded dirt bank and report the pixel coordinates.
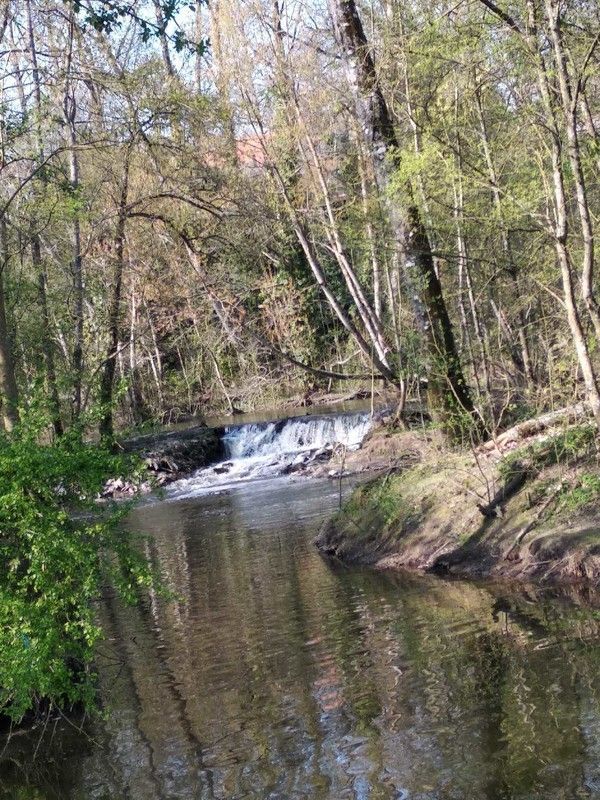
(525, 506)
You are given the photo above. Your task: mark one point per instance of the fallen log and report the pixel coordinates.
(531, 427)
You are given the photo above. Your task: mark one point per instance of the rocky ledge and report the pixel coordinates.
(168, 456)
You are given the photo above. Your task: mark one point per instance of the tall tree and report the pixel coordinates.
(448, 391)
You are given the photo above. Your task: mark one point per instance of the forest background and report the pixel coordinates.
(224, 205)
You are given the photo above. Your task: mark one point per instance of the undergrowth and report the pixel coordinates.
(585, 491)
(566, 448)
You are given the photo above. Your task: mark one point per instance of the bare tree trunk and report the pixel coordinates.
(47, 343)
(371, 237)
(139, 411)
(199, 54)
(373, 343)
(530, 36)
(463, 256)
(465, 271)
(70, 113)
(164, 42)
(569, 108)
(8, 382)
(366, 313)
(561, 223)
(448, 391)
(317, 270)
(222, 77)
(521, 357)
(114, 314)
(417, 143)
(36, 253)
(154, 355)
(589, 124)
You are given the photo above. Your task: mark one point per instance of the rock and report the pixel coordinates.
(220, 469)
(324, 454)
(172, 454)
(290, 469)
(168, 456)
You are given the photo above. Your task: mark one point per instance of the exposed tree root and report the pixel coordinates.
(512, 554)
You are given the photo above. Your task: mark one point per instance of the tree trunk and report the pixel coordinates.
(590, 125)
(8, 382)
(36, 252)
(530, 37)
(448, 392)
(367, 314)
(164, 42)
(371, 238)
(47, 343)
(569, 108)
(70, 113)
(465, 277)
(521, 356)
(199, 55)
(319, 274)
(372, 343)
(221, 77)
(114, 316)
(139, 410)
(561, 224)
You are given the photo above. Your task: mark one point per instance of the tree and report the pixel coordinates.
(448, 391)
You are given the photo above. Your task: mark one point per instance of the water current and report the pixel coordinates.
(260, 450)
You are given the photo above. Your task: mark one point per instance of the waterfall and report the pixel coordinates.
(295, 435)
(260, 450)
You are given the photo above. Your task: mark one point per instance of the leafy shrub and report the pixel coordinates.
(54, 560)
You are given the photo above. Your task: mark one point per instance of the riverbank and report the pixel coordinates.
(526, 506)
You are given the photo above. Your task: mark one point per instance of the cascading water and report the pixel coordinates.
(268, 449)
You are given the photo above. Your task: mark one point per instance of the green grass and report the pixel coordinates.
(585, 491)
(566, 447)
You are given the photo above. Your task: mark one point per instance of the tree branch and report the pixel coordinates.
(503, 15)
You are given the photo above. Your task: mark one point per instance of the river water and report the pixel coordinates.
(275, 675)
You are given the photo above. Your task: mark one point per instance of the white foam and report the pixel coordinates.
(257, 451)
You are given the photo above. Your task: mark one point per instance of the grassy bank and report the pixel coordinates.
(527, 506)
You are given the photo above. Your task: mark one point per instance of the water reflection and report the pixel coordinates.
(273, 676)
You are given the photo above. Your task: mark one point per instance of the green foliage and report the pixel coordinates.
(54, 559)
(378, 500)
(585, 491)
(564, 448)
(108, 15)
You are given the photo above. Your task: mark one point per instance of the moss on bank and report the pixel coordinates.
(531, 512)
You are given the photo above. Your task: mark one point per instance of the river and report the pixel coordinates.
(275, 675)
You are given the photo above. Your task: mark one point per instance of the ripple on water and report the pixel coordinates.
(273, 676)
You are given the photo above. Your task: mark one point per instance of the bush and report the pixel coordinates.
(54, 560)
